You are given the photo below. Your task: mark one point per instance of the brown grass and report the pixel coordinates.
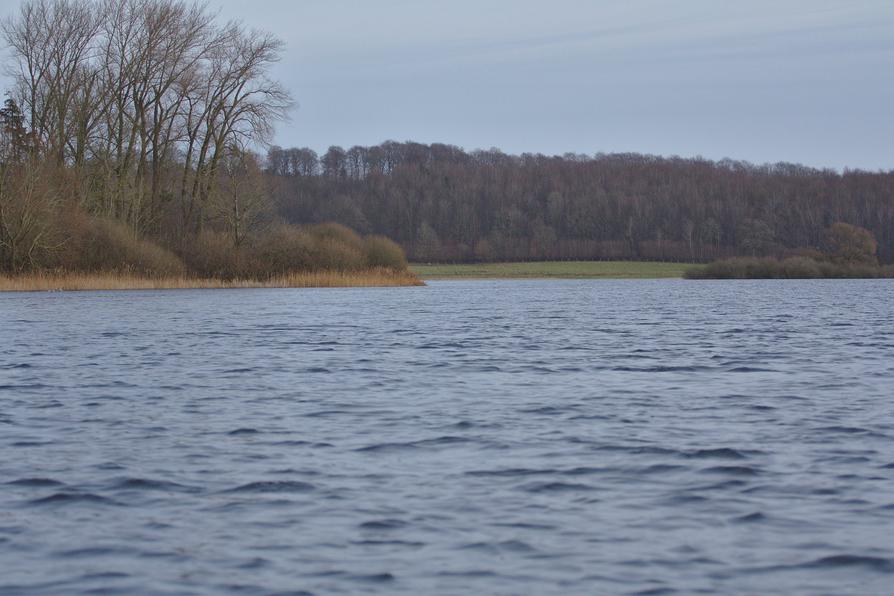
(49, 282)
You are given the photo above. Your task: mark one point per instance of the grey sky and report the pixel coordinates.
(764, 80)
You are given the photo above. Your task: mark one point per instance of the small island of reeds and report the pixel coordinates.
(848, 252)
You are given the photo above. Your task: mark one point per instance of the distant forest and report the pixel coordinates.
(444, 204)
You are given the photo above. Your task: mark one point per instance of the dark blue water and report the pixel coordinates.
(652, 437)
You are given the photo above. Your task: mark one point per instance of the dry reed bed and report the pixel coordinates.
(48, 282)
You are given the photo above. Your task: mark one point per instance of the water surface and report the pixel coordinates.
(549, 437)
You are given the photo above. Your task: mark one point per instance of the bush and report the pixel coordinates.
(847, 244)
(110, 247)
(285, 249)
(337, 233)
(332, 255)
(736, 268)
(800, 268)
(791, 268)
(809, 253)
(32, 224)
(324, 247)
(338, 248)
(382, 252)
(212, 255)
(289, 249)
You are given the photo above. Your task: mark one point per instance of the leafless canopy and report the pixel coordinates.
(142, 99)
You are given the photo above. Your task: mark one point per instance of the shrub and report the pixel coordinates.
(382, 252)
(809, 253)
(330, 254)
(800, 268)
(746, 268)
(108, 246)
(32, 228)
(212, 255)
(324, 247)
(337, 233)
(791, 268)
(285, 249)
(762, 268)
(847, 244)
(337, 247)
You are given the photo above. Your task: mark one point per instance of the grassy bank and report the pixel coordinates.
(555, 269)
(39, 282)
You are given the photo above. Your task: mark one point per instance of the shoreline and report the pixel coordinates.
(86, 282)
(533, 270)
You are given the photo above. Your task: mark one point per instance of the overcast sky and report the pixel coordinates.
(808, 81)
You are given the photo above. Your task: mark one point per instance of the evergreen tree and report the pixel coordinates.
(13, 134)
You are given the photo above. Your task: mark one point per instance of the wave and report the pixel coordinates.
(732, 470)
(74, 498)
(243, 431)
(750, 518)
(383, 524)
(410, 445)
(552, 487)
(148, 484)
(36, 482)
(719, 453)
(274, 486)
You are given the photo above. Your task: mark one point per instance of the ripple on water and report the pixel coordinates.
(750, 518)
(506, 546)
(275, 486)
(243, 432)
(445, 441)
(732, 470)
(719, 453)
(149, 484)
(36, 482)
(383, 525)
(73, 498)
(598, 437)
(555, 487)
(841, 561)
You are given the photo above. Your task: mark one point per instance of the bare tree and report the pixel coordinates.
(142, 98)
(240, 201)
(51, 42)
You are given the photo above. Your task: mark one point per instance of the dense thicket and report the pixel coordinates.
(790, 268)
(847, 252)
(125, 146)
(445, 204)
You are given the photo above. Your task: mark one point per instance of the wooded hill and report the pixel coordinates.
(442, 203)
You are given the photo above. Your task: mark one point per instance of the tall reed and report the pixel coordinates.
(61, 281)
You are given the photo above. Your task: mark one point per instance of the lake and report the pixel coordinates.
(503, 437)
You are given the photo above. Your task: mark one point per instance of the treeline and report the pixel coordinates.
(125, 146)
(442, 203)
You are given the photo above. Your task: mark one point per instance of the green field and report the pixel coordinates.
(554, 269)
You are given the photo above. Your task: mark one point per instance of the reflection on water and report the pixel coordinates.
(482, 437)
